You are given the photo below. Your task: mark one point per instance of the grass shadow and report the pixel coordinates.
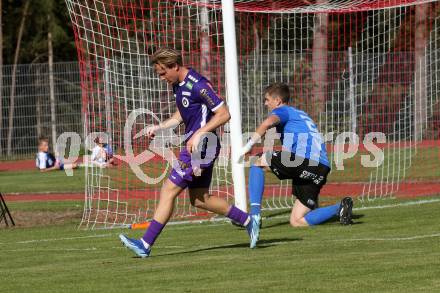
(354, 218)
(277, 213)
(261, 245)
(269, 226)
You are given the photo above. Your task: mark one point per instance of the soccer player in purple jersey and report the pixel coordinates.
(202, 112)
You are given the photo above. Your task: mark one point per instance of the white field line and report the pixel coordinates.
(403, 204)
(83, 249)
(278, 243)
(393, 238)
(50, 249)
(65, 238)
(203, 247)
(222, 221)
(62, 239)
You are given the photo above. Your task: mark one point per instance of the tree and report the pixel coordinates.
(420, 82)
(25, 29)
(34, 42)
(51, 81)
(319, 61)
(14, 73)
(1, 76)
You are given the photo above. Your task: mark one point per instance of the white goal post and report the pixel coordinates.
(233, 98)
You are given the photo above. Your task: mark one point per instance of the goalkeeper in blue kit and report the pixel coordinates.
(303, 159)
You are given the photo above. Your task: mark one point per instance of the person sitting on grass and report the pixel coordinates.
(102, 154)
(46, 161)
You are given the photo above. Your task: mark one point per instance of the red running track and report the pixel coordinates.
(406, 190)
(30, 164)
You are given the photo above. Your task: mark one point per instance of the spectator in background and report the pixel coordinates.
(102, 154)
(46, 161)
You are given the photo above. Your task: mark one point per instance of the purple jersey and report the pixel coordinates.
(196, 101)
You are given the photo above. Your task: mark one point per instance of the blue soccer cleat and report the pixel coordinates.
(253, 229)
(135, 245)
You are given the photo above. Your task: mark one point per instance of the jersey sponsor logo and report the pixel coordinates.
(192, 78)
(185, 102)
(188, 94)
(189, 85)
(208, 99)
(307, 175)
(314, 177)
(318, 180)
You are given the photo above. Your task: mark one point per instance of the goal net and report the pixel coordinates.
(357, 67)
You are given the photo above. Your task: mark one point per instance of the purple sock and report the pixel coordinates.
(152, 232)
(237, 215)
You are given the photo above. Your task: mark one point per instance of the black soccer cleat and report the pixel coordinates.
(345, 211)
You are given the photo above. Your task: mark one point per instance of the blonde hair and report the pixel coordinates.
(167, 56)
(43, 139)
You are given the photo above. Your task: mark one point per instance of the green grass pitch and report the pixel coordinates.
(395, 248)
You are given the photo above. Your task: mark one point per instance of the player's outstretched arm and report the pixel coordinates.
(268, 123)
(172, 122)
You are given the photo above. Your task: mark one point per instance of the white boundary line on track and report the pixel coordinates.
(222, 221)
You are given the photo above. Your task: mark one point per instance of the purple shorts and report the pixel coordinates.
(202, 181)
(183, 173)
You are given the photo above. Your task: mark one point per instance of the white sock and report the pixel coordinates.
(146, 245)
(247, 221)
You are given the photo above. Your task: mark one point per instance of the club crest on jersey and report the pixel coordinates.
(189, 85)
(185, 102)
